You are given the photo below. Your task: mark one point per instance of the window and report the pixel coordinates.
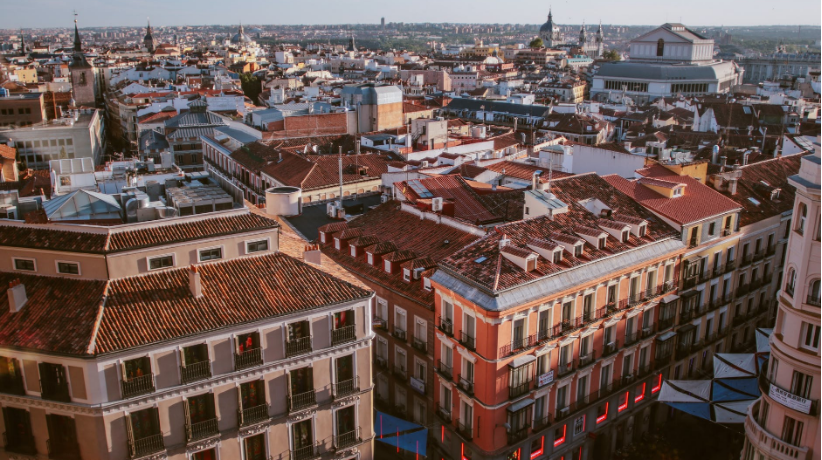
(612, 294)
(406, 274)
(248, 352)
(195, 364)
(387, 266)
(256, 246)
(301, 388)
(254, 447)
(810, 336)
(68, 268)
(557, 256)
(302, 439)
(792, 431)
(578, 250)
(602, 242)
(19, 437)
(25, 265)
(625, 236)
(157, 263)
(343, 329)
(791, 284)
(803, 217)
(712, 229)
(519, 379)
(210, 254)
(53, 382)
(801, 384)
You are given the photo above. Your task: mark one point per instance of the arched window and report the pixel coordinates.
(813, 293)
(791, 284)
(803, 216)
(660, 47)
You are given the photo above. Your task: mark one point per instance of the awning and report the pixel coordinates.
(690, 293)
(665, 336)
(670, 298)
(522, 360)
(519, 405)
(734, 365)
(686, 328)
(762, 344)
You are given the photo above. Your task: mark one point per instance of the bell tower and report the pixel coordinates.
(82, 73)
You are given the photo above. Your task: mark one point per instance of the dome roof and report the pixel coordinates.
(241, 37)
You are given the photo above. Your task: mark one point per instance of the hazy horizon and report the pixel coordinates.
(698, 13)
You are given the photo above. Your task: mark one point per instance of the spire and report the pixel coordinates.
(78, 44)
(22, 41)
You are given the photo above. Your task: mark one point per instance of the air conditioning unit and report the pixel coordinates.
(646, 331)
(564, 411)
(384, 198)
(436, 204)
(331, 210)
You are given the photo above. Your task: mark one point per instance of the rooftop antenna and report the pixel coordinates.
(341, 176)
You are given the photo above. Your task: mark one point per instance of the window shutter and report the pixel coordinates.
(130, 433)
(52, 429)
(210, 405)
(240, 404)
(187, 408)
(310, 377)
(123, 370)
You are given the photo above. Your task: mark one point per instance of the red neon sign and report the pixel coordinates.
(624, 405)
(462, 451)
(656, 388)
(443, 433)
(541, 449)
(602, 417)
(562, 439)
(640, 396)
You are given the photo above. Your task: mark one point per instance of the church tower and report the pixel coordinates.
(82, 73)
(582, 38)
(550, 33)
(148, 41)
(599, 40)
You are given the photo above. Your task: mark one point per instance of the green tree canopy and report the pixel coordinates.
(612, 55)
(251, 86)
(536, 43)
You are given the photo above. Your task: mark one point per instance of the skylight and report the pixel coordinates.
(481, 259)
(753, 200)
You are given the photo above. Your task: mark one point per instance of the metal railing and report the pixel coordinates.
(252, 415)
(467, 341)
(517, 435)
(195, 371)
(248, 358)
(466, 431)
(609, 349)
(148, 445)
(399, 333)
(298, 346)
(137, 386)
(400, 371)
(814, 301)
(686, 315)
(63, 449)
(518, 345)
(381, 362)
(443, 413)
(444, 369)
(420, 344)
(764, 441)
(663, 360)
(201, 430)
(519, 390)
(543, 422)
(587, 360)
(665, 323)
(379, 323)
(54, 391)
(646, 332)
(630, 338)
(764, 387)
(466, 386)
(19, 443)
(305, 453)
(341, 441)
(565, 368)
(302, 400)
(343, 334)
(446, 326)
(346, 387)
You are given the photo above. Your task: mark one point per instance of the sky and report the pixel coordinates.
(97, 13)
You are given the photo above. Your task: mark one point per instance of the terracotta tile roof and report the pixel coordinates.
(589, 231)
(516, 251)
(612, 224)
(505, 140)
(524, 171)
(468, 170)
(659, 182)
(468, 204)
(124, 238)
(482, 264)
(399, 256)
(697, 202)
(7, 152)
(542, 243)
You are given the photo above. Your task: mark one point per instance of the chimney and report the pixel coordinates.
(732, 186)
(194, 283)
(535, 180)
(504, 241)
(17, 296)
(723, 161)
(311, 254)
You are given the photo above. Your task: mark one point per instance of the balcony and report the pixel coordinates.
(445, 370)
(631, 339)
(137, 386)
(764, 387)
(248, 358)
(467, 341)
(587, 360)
(444, 413)
(665, 323)
(519, 390)
(420, 345)
(301, 401)
(12, 384)
(759, 255)
(517, 345)
(305, 453)
(565, 368)
(747, 259)
(662, 360)
(379, 323)
(54, 391)
(742, 290)
(148, 445)
(683, 350)
(466, 431)
(400, 371)
(446, 326)
(399, 333)
(646, 332)
(253, 415)
(740, 318)
(466, 386)
(686, 315)
(813, 300)
(543, 422)
(351, 438)
(399, 410)
(201, 430)
(298, 347)
(346, 387)
(344, 334)
(517, 435)
(726, 231)
(773, 447)
(382, 363)
(63, 449)
(643, 370)
(195, 371)
(609, 349)
(19, 443)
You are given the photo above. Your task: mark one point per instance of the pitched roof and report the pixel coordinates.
(158, 307)
(524, 171)
(698, 201)
(468, 204)
(758, 180)
(7, 152)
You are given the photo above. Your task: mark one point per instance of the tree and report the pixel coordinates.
(251, 86)
(536, 43)
(611, 55)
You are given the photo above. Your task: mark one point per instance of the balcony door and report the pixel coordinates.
(302, 436)
(346, 425)
(254, 447)
(62, 437)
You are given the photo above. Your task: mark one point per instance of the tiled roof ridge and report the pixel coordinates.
(101, 309)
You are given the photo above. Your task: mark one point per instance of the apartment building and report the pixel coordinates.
(575, 307)
(380, 249)
(784, 422)
(190, 338)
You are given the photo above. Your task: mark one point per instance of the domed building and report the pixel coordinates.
(240, 38)
(550, 34)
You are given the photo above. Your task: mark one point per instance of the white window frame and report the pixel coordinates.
(173, 261)
(210, 248)
(247, 242)
(398, 309)
(14, 264)
(57, 267)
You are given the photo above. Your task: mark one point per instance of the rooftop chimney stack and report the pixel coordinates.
(194, 283)
(535, 180)
(312, 255)
(17, 296)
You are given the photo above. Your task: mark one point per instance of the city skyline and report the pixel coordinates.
(97, 13)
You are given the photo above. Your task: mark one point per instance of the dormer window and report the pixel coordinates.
(578, 250)
(531, 264)
(642, 229)
(602, 242)
(625, 236)
(387, 266)
(406, 274)
(678, 191)
(557, 256)
(323, 238)
(370, 259)
(353, 251)
(426, 283)
(337, 244)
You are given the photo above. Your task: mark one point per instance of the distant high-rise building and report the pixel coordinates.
(382, 22)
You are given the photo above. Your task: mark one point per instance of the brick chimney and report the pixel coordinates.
(194, 283)
(17, 296)
(312, 254)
